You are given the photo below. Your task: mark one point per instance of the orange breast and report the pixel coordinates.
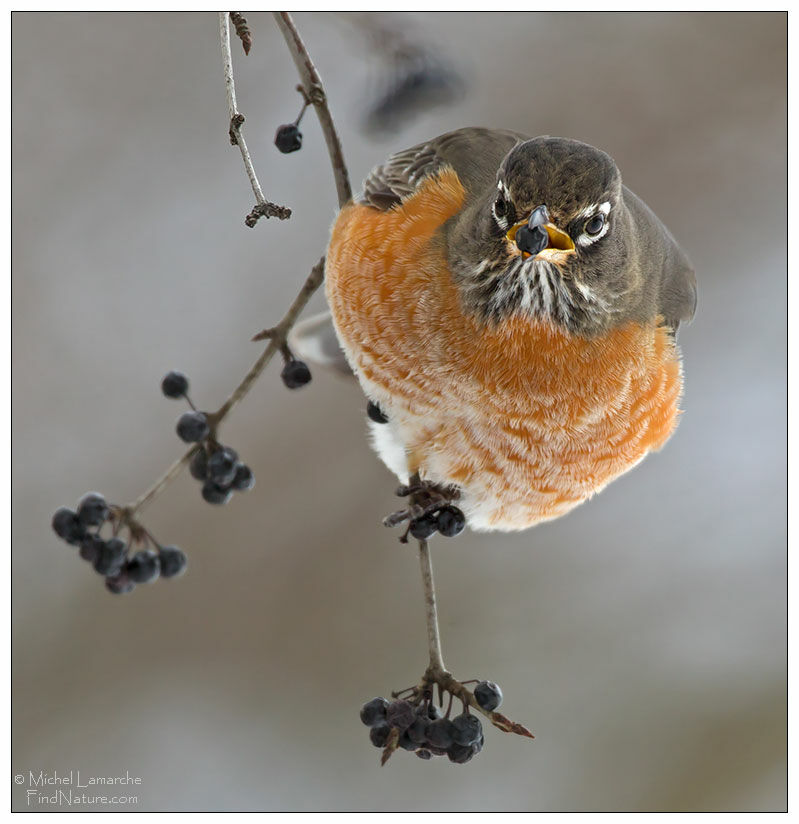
(527, 419)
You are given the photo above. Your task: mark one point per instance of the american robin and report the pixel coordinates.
(510, 310)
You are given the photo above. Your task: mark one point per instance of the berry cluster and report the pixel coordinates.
(216, 465)
(420, 726)
(112, 557)
(221, 473)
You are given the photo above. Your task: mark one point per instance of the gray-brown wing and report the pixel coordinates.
(475, 154)
(677, 289)
(674, 282)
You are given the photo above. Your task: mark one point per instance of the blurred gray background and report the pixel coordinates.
(642, 638)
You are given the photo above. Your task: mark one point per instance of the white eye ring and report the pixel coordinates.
(600, 217)
(500, 216)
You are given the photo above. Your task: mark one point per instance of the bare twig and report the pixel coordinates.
(436, 673)
(263, 207)
(277, 338)
(314, 91)
(431, 612)
(277, 335)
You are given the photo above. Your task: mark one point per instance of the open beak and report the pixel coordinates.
(540, 238)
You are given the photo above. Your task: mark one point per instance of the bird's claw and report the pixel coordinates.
(426, 499)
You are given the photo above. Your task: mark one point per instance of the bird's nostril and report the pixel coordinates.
(530, 240)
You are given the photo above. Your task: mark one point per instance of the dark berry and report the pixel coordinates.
(119, 584)
(92, 509)
(175, 385)
(111, 557)
(466, 729)
(67, 526)
(295, 374)
(373, 713)
(192, 427)
(143, 567)
(215, 494)
(375, 413)
(417, 731)
(199, 465)
(406, 742)
(379, 735)
(243, 479)
(426, 755)
(90, 547)
(117, 546)
(532, 240)
(436, 750)
(422, 528)
(460, 753)
(400, 714)
(288, 138)
(222, 466)
(451, 521)
(433, 712)
(439, 733)
(488, 695)
(173, 561)
(478, 745)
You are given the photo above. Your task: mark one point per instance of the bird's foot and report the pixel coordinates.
(429, 510)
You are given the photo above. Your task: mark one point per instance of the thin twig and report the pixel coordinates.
(314, 91)
(263, 207)
(277, 338)
(155, 490)
(431, 612)
(277, 335)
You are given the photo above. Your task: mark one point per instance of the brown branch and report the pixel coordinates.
(314, 91)
(263, 207)
(277, 339)
(277, 336)
(431, 611)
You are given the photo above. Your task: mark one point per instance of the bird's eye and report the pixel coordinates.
(595, 225)
(500, 207)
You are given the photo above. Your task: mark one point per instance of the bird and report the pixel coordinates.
(510, 309)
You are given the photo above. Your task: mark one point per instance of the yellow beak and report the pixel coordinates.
(560, 244)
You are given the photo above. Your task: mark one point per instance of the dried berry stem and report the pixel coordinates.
(263, 208)
(448, 683)
(315, 93)
(431, 611)
(436, 673)
(242, 30)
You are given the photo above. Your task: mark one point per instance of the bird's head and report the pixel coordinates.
(555, 239)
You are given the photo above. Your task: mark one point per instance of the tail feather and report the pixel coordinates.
(314, 340)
